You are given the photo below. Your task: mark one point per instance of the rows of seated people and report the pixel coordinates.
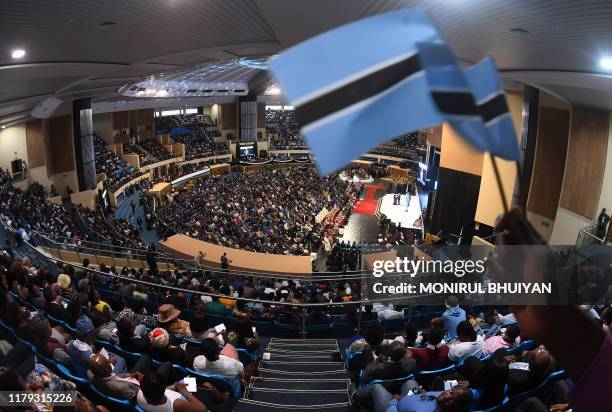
(405, 146)
(155, 148)
(200, 144)
(166, 123)
(486, 355)
(78, 338)
(109, 229)
(117, 171)
(144, 157)
(26, 211)
(283, 129)
(106, 333)
(343, 256)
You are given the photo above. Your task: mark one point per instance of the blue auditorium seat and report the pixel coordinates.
(222, 383)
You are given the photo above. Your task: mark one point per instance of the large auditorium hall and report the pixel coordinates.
(285, 205)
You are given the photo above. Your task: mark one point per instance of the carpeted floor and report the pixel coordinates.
(367, 205)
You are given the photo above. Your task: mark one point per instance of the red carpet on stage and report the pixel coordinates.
(367, 205)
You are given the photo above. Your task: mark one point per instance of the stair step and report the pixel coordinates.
(304, 341)
(302, 366)
(303, 347)
(299, 398)
(301, 352)
(280, 374)
(291, 357)
(247, 405)
(297, 384)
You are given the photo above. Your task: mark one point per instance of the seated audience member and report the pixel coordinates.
(373, 339)
(212, 361)
(396, 365)
(411, 337)
(509, 339)
(367, 314)
(216, 308)
(163, 351)
(435, 353)
(54, 305)
(132, 338)
(168, 318)
(241, 335)
(64, 289)
(458, 399)
(540, 365)
(469, 344)
(155, 396)
(125, 385)
(452, 317)
(82, 291)
(489, 378)
(49, 341)
(106, 326)
(80, 350)
(200, 328)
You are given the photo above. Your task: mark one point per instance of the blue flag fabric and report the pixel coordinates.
(491, 100)
(362, 84)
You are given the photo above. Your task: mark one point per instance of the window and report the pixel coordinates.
(274, 107)
(170, 112)
(191, 111)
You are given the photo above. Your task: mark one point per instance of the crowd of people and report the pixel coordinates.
(190, 121)
(200, 144)
(270, 211)
(117, 171)
(26, 211)
(284, 130)
(155, 148)
(405, 147)
(144, 157)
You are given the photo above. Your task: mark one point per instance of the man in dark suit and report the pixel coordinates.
(397, 365)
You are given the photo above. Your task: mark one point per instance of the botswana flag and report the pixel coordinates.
(359, 85)
(493, 108)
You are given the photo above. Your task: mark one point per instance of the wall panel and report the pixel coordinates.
(59, 148)
(549, 165)
(586, 161)
(35, 143)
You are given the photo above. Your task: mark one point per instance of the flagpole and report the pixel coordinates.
(499, 183)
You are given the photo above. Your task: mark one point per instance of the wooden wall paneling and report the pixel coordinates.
(60, 148)
(549, 165)
(229, 115)
(133, 116)
(586, 160)
(35, 143)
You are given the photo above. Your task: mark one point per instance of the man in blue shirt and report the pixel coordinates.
(458, 399)
(453, 316)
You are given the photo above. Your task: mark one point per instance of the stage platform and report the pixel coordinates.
(404, 213)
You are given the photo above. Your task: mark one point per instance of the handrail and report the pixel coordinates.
(197, 292)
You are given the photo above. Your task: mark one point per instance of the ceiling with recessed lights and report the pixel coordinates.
(102, 48)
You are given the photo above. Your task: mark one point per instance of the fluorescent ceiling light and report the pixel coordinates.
(18, 53)
(606, 63)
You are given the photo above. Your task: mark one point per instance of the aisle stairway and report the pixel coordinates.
(301, 375)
